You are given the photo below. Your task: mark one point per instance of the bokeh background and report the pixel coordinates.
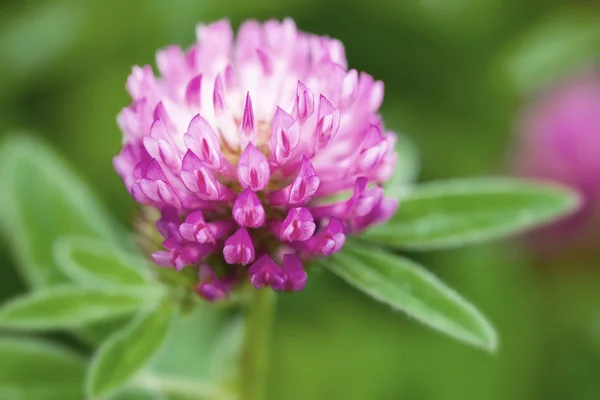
(459, 74)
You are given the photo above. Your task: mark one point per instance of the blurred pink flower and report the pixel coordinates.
(560, 141)
(241, 143)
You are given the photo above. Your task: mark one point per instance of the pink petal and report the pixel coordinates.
(247, 210)
(238, 248)
(295, 276)
(305, 185)
(203, 141)
(265, 272)
(253, 169)
(328, 123)
(285, 136)
(297, 226)
(304, 105)
(193, 92)
(247, 128)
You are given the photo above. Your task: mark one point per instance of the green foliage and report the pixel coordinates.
(123, 355)
(435, 58)
(91, 262)
(225, 355)
(138, 394)
(405, 285)
(32, 369)
(64, 307)
(459, 212)
(193, 364)
(42, 200)
(175, 388)
(196, 333)
(557, 45)
(378, 353)
(56, 27)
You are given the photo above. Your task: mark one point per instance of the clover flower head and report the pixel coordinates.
(260, 151)
(560, 141)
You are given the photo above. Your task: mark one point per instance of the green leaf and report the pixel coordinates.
(120, 358)
(93, 262)
(177, 388)
(405, 285)
(57, 28)
(33, 369)
(558, 44)
(407, 168)
(42, 199)
(137, 394)
(197, 333)
(226, 352)
(72, 307)
(458, 212)
(96, 333)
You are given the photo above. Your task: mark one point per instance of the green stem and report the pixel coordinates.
(254, 364)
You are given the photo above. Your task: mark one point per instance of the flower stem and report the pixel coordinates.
(254, 363)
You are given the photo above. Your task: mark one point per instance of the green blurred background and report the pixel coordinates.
(457, 75)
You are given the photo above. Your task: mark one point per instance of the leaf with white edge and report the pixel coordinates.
(96, 263)
(42, 199)
(406, 170)
(458, 212)
(407, 286)
(121, 357)
(33, 369)
(63, 307)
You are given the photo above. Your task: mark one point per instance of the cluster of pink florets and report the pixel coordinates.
(259, 153)
(559, 140)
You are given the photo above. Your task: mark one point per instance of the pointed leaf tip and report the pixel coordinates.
(121, 357)
(459, 212)
(93, 262)
(64, 307)
(407, 286)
